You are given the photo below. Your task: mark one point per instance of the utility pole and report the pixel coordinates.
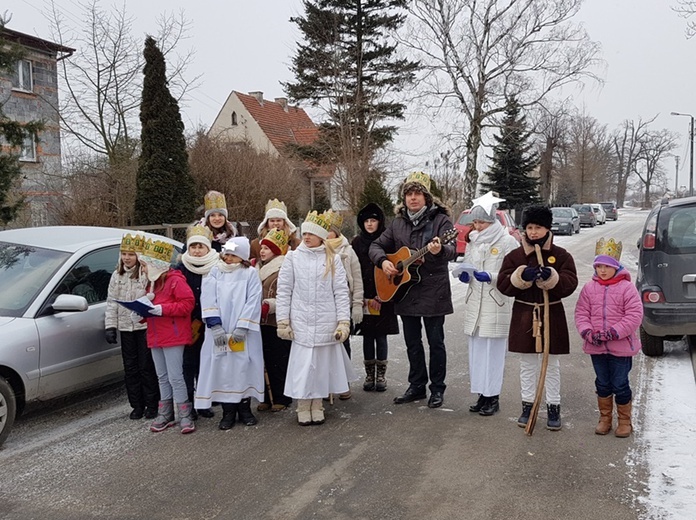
(691, 151)
(676, 176)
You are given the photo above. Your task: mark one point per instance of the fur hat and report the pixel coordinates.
(538, 214)
(237, 246)
(316, 224)
(277, 241)
(276, 209)
(608, 253)
(215, 203)
(199, 235)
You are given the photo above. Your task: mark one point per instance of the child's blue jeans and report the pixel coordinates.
(612, 376)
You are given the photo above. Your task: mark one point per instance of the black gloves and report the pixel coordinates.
(544, 273)
(110, 335)
(530, 273)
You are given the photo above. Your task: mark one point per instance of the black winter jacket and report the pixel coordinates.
(431, 296)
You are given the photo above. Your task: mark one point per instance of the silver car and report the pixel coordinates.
(53, 288)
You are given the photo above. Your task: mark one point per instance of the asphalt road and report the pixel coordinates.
(83, 458)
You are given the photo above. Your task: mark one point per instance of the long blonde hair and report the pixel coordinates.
(330, 255)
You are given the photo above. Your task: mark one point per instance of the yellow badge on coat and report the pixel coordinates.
(551, 260)
(494, 251)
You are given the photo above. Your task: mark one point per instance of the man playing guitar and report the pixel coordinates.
(420, 221)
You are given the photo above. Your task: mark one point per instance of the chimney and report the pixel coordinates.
(258, 95)
(283, 102)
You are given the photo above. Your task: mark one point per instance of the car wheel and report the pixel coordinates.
(593, 224)
(577, 230)
(8, 409)
(651, 345)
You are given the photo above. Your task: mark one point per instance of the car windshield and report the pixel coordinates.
(607, 205)
(596, 209)
(562, 212)
(24, 271)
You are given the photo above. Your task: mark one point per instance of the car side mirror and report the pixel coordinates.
(638, 243)
(70, 303)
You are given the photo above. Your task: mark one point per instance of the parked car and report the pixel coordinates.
(611, 210)
(666, 276)
(53, 288)
(566, 221)
(599, 212)
(463, 227)
(586, 214)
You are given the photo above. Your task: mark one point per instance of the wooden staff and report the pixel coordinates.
(545, 356)
(268, 386)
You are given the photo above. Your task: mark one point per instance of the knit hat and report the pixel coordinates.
(608, 253)
(478, 213)
(484, 207)
(157, 255)
(132, 243)
(276, 209)
(418, 181)
(237, 246)
(539, 214)
(215, 203)
(316, 224)
(335, 221)
(277, 241)
(372, 210)
(199, 234)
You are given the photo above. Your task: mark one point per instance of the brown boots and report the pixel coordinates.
(606, 413)
(606, 409)
(624, 428)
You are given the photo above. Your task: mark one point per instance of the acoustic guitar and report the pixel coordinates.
(397, 286)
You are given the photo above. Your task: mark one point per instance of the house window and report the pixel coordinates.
(24, 79)
(28, 151)
(234, 118)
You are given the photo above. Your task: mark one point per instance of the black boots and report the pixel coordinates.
(553, 422)
(486, 405)
(526, 411)
(476, 407)
(245, 416)
(491, 406)
(369, 384)
(229, 415)
(380, 376)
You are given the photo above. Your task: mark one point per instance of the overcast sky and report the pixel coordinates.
(247, 45)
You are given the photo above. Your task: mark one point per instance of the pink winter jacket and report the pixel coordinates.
(611, 304)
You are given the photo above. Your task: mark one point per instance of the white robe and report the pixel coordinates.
(235, 298)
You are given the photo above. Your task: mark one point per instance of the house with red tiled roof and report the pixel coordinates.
(271, 127)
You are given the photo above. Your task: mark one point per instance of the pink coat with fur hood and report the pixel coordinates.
(614, 303)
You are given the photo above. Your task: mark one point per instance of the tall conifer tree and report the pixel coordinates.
(513, 161)
(347, 64)
(165, 188)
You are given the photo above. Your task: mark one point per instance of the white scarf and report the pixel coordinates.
(200, 264)
(490, 235)
(228, 268)
(270, 267)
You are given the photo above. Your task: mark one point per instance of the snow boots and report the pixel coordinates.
(245, 416)
(186, 423)
(624, 428)
(304, 414)
(369, 384)
(317, 411)
(380, 379)
(553, 421)
(491, 406)
(606, 412)
(526, 411)
(165, 416)
(229, 416)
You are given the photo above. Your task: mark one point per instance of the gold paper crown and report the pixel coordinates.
(320, 220)
(132, 243)
(199, 230)
(276, 204)
(215, 200)
(335, 219)
(421, 178)
(609, 248)
(158, 250)
(279, 238)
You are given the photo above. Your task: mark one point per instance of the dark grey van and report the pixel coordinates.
(667, 274)
(610, 210)
(587, 215)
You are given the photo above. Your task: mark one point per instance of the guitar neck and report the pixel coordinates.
(415, 256)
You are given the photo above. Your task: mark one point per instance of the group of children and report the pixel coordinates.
(223, 327)
(271, 319)
(514, 302)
